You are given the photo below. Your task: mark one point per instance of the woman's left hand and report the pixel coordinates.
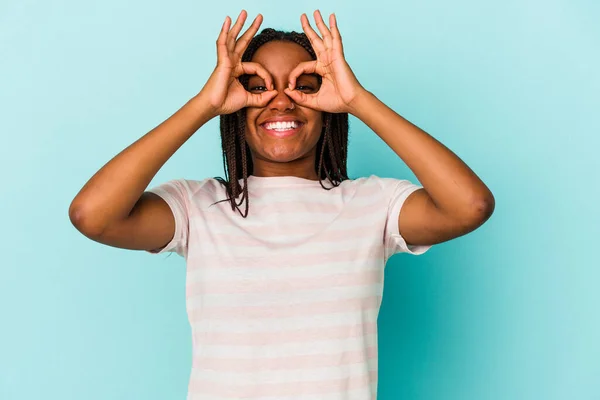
(339, 87)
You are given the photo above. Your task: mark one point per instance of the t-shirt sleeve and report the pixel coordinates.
(176, 195)
(397, 191)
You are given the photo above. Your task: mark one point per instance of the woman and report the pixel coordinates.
(283, 298)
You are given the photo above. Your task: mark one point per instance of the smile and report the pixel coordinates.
(281, 129)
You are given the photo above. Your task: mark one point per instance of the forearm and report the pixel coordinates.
(451, 184)
(112, 192)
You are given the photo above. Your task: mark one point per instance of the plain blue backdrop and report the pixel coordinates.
(509, 311)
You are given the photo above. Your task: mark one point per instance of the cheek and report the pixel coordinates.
(251, 116)
(317, 125)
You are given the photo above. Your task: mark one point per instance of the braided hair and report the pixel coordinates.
(238, 164)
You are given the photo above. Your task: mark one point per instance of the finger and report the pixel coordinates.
(335, 34)
(222, 52)
(252, 68)
(323, 29)
(315, 40)
(243, 41)
(260, 99)
(239, 23)
(301, 98)
(307, 67)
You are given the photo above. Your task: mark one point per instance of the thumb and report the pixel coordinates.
(260, 99)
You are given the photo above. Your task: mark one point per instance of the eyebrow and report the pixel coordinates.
(313, 75)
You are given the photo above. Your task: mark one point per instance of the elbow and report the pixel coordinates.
(82, 222)
(476, 212)
(483, 208)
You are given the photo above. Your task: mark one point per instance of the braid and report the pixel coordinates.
(329, 165)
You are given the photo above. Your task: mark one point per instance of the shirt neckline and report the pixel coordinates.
(281, 181)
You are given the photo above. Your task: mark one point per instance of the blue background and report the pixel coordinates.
(509, 311)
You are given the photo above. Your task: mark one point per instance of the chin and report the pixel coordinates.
(282, 153)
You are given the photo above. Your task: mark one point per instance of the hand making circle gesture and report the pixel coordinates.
(339, 87)
(224, 92)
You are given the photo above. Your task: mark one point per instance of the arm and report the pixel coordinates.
(112, 207)
(453, 200)
(112, 192)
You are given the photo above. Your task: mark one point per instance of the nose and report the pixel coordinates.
(282, 102)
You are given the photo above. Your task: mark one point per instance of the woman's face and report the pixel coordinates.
(294, 138)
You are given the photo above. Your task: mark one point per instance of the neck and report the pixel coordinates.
(302, 168)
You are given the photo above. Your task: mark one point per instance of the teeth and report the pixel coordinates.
(281, 126)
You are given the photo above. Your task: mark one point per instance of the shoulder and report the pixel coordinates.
(378, 182)
(187, 186)
(201, 192)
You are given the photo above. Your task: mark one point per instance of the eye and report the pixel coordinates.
(257, 89)
(305, 88)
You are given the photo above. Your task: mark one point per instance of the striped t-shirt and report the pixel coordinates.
(283, 304)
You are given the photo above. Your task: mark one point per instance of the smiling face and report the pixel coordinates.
(283, 135)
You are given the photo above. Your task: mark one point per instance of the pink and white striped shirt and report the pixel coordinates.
(283, 304)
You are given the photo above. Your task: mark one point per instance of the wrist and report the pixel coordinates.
(358, 102)
(203, 107)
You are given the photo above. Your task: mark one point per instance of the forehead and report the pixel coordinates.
(280, 57)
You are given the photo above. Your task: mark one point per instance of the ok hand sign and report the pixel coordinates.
(339, 87)
(224, 92)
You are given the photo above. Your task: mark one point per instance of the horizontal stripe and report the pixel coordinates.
(285, 350)
(265, 270)
(258, 283)
(283, 252)
(283, 311)
(289, 323)
(283, 337)
(265, 299)
(197, 260)
(284, 362)
(311, 221)
(287, 237)
(257, 391)
(291, 211)
(368, 392)
(346, 371)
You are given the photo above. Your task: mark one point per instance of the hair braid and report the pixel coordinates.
(329, 165)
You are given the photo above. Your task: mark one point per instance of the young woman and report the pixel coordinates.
(283, 297)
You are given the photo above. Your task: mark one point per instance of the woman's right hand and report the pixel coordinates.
(223, 91)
